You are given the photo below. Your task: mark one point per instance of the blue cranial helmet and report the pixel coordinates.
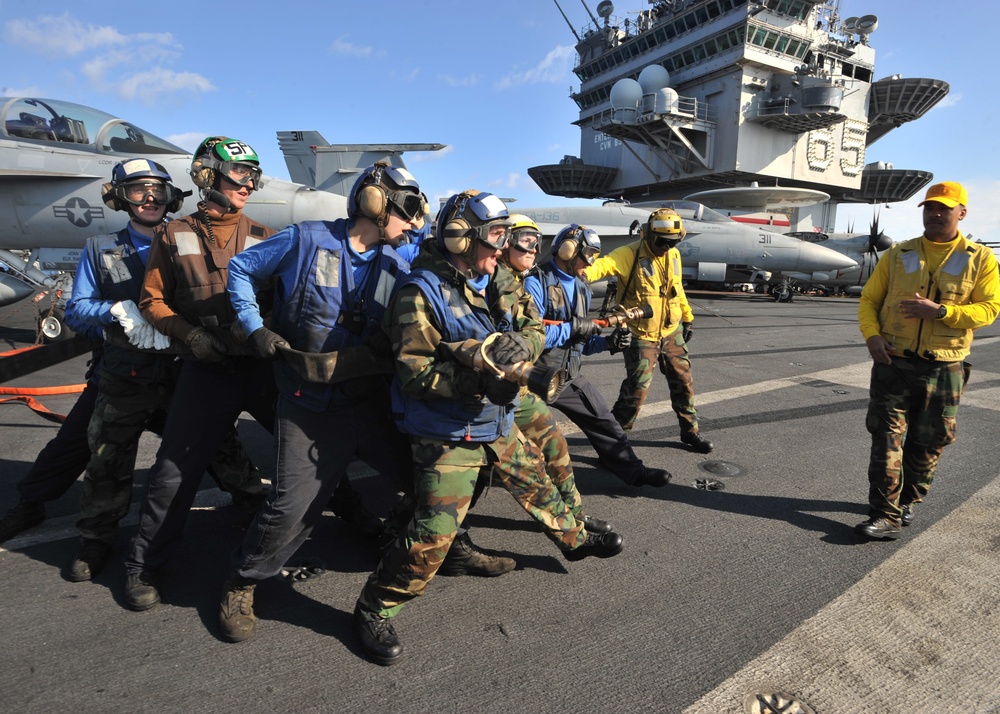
(577, 241)
(468, 217)
(381, 188)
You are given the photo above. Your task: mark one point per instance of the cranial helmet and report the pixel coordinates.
(382, 187)
(467, 217)
(116, 193)
(577, 241)
(219, 157)
(664, 229)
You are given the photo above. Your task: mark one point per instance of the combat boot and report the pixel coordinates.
(464, 558)
(596, 525)
(600, 545)
(21, 516)
(378, 638)
(140, 591)
(878, 529)
(89, 561)
(653, 477)
(697, 442)
(236, 616)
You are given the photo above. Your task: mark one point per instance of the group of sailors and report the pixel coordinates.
(416, 349)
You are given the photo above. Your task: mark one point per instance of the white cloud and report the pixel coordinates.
(149, 84)
(417, 157)
(470, 81)
(67, 36)
(553, 69)
(22, 92)
(950, 100)
(188, 140)
(343, 47)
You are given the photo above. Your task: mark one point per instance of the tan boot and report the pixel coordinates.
(236, 616)
(464, 558)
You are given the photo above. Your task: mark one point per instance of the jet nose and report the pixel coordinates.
(817, 258)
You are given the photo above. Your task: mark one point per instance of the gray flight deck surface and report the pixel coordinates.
(719, 595)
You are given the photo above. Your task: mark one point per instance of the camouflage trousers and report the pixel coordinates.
(911, 417)
(641, 356)
(446, 476)
(124, 410)
(538, 424)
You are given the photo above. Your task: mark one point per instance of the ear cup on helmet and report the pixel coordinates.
(567, 249)
(457, 237)
(110, 199)
(176, 199)
(373, 201)
(202, 176)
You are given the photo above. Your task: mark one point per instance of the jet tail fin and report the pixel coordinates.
(312, 161)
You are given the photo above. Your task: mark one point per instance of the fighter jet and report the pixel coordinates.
(54, 158)
(716, 250)
(864, 249)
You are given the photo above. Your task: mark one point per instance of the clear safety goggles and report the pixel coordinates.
(495, 235)
(589, 254)
(240, 172)
(139, 192)
(525, 241)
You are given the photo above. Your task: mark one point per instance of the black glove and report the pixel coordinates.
(583, 329)
(265, 343)
(619, 340)
(205, 346)
(687, 330)
(510, 348)
(467, 382)
(499, 390)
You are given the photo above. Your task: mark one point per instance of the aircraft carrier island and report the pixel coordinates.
(694, 95)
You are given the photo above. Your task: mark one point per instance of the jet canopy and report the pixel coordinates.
(692, 211)
(58, 122)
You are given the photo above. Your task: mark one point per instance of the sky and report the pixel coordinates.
(489, 79)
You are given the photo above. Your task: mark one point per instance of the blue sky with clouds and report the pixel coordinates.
(490, 80)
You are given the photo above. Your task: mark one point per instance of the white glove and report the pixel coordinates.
(128, 316)
(142, 336)
(160, 341)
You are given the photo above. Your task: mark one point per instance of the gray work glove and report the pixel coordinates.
(499, 390)
(510, 348)
(687, 330)
(205, 346)
(265, 343)
(619, 340)
(583, 329)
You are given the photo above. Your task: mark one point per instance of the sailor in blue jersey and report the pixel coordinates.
(564, 299)
(136, 381)
(332, 282)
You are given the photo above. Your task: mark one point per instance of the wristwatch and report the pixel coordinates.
(942, 311)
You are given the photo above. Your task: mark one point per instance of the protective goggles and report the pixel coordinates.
(525, 241)
(589, 254)
(139, 192)
(239, 172)
(666, 241)
(411, 206)
(495, 235)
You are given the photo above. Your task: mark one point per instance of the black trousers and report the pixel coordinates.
(65, 457)
(207, 400)
(585, 407)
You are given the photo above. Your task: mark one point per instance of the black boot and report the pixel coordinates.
(600, 545)
(378, 637)
(464, 558)
(89, 561)
(21, 516)
(697, 442)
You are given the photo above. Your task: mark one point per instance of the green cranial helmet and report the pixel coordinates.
(220, 157)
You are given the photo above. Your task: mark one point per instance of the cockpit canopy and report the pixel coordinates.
(55, 121)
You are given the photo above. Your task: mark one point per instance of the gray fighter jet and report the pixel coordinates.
(54, 158)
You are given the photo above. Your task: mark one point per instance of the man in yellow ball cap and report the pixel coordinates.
(917, 313)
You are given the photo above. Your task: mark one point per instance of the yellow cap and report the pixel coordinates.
(949, 193)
